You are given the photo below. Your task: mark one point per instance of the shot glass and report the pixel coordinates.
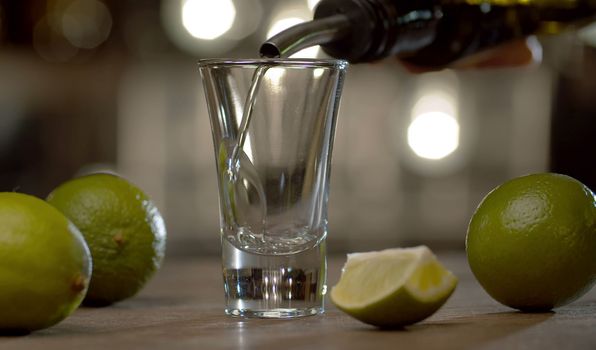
(273, 124)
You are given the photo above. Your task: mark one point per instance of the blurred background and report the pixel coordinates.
(89, 85)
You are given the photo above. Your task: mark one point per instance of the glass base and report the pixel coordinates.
(275, 313)
(274, 286)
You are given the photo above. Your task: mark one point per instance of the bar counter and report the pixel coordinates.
(182, 308)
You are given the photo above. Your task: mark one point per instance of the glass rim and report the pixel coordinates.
(281, 62)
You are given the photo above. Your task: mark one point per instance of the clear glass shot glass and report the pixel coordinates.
(273, 124)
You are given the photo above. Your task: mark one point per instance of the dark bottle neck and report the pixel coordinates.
(381, 28)
(426, 32)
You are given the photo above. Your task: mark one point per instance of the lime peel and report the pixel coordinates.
(45, 264)
(123, 228)
(393, 287)
(531, 242)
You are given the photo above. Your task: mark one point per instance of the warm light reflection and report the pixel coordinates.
(433, 135)
(287, 22)
(318, 72)
(247, 148)
(208, 19)
(274, 74)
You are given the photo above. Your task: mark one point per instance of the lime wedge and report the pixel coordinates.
(393, 287)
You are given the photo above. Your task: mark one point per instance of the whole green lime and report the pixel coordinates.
(45, 264)
(532, 242)
(123, 228)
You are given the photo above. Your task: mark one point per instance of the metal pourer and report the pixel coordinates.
(316, 32)
(353, 30)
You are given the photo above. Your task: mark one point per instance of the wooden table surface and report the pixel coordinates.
(181, 308)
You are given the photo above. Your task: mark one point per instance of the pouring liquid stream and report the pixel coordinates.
(244, 197)
(250, 226)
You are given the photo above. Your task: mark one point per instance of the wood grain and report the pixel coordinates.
(181, 308)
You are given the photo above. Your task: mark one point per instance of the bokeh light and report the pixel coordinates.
(86, 23)
(70, 28)
(434, 130)
(207, 28)
(208, 19)
(249, 22)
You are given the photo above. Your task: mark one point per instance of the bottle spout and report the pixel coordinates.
(316, 32)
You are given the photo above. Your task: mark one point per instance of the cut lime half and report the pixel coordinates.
(393, 287)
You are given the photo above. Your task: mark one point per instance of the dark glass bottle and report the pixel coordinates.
(426, 32)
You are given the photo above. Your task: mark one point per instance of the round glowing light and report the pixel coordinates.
(433, 135)
(86, 23)
(285, 23)
(208, 19)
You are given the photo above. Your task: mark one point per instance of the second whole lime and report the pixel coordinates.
(532, 242)
(123, 228)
